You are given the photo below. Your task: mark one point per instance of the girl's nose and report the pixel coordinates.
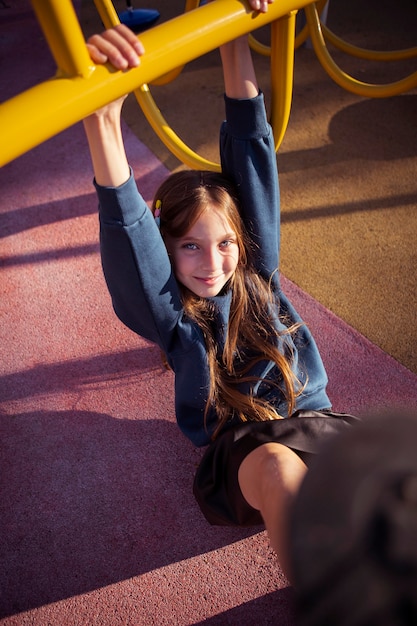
(211, 258)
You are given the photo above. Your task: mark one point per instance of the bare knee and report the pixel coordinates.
(272, 469)
(269, 478)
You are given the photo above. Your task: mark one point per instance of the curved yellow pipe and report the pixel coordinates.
(364, 53)
(340, 77)
(167, 135)
(340, 44)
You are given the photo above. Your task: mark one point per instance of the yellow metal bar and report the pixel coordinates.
(48, 108)
(107, 13)
(63, 33)
(340, 77)
(282, 73)
(259, 47)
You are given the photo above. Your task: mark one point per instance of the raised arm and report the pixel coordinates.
(238, 71)
(248, 154)
(121, 48)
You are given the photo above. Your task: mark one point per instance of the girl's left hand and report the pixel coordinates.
(260, 5)
(255, 5)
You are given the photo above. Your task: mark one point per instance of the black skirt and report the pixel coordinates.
(216, 485)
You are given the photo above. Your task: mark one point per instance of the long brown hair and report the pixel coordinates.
(252, 335)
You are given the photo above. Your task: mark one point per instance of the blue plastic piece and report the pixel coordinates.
(139, 19)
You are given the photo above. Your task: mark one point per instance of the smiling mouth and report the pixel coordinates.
(210, 280)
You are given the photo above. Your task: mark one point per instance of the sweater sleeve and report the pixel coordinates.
(136, 265)
(248, 158)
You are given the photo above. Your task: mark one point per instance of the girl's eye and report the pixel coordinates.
(226, 243)
(190, 246)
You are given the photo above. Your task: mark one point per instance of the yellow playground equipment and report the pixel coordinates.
(78, 87)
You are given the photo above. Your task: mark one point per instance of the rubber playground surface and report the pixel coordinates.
(98, 522)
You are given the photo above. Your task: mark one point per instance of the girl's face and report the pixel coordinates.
(206, 257)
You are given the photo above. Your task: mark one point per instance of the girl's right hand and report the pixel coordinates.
(118, 46)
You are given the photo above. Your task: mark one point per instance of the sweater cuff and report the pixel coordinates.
(121, 205)
(246, 118)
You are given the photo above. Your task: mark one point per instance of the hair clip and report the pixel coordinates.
(157, 213)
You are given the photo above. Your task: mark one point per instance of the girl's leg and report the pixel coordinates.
(269, 478)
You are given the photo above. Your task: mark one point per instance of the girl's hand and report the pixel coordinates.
(118, 46)
(255, 5)
(260, 5)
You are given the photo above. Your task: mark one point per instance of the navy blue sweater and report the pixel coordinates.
(145, 293)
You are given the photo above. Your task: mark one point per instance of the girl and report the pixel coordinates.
(198, 276)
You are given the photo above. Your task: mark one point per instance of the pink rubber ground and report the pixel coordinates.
(98, 522)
